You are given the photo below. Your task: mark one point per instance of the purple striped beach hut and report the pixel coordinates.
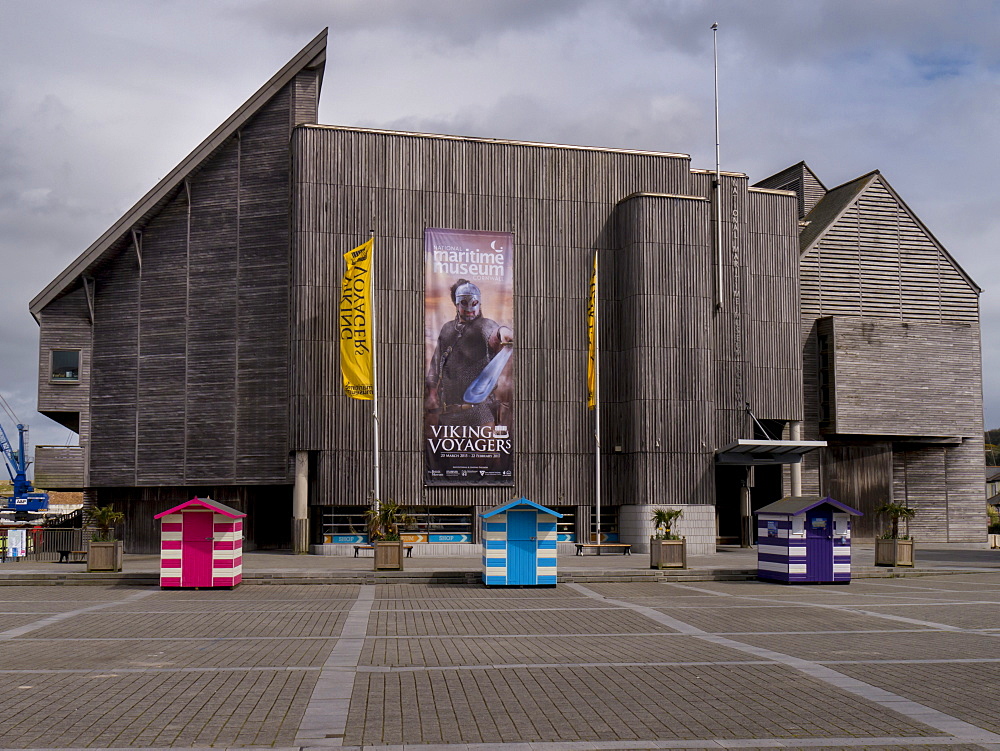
(805, 539)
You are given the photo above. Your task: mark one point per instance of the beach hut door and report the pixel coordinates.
(819, 545)
(196, 561)
(522, 529)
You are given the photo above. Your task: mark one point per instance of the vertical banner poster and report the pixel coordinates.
(356, 345)
(469, 345)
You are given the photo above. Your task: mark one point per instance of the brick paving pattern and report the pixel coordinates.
(881, 664)
(970, 692)
(610, 703)
(544, 650)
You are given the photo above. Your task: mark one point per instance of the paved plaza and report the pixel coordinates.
(903, 663)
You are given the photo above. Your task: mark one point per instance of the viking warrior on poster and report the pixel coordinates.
(469, 350)
(465, 369)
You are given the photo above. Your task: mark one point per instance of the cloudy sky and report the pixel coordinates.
(100, 99)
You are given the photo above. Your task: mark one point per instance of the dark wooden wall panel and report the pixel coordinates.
(558, 202)
(211, 319)
(882, 383)
(192, 347)
(115, 376)
(163, 298)
(65, 324)
(860, 475)
(657, 326)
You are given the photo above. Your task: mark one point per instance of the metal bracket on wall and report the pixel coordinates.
(137, 244)
(88, 288)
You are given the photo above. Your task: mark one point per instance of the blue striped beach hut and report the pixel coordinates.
(805, 539)
(519, 545)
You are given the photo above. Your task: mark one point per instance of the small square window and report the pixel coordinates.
(65, 365)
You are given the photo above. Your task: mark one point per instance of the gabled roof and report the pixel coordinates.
(311, 57)
(521, 503)
(831, 207)
(799, 504)
(799, 179)
(837, 201)
(206, 503)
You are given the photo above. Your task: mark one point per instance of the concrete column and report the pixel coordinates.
(300, 504)
(795, 470)
(584, 523)
(746, 519)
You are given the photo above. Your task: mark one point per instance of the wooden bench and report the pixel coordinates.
(624, 547)
(409, 549)
(66, 556)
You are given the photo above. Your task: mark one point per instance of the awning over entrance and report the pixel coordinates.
(756, 452)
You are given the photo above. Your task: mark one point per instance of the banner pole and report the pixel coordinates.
(374, 343)
(597, 398)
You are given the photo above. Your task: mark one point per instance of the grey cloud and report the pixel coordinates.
(461, 24)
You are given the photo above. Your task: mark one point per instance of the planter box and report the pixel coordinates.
(388, 556)
(667, 553)
(894, 552)
(105, 556)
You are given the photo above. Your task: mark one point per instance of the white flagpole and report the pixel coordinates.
(597, 399)
(374, 346)
(718, 175)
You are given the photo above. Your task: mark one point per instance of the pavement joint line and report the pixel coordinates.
(498, 610)
(874, 614)
(902, 619)
(933, 718)
(633, 664)
(13, 633)
(115, 671)
(327, 637)
(325, 716)
(637, 634)
(546, 665)
(724, 743)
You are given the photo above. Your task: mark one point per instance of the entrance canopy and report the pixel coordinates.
(756, 452)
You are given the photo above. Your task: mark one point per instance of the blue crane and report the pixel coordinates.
(24, 498)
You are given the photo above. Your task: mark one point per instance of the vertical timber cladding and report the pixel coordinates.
(469, 341)
(659, 404)
(558, 202)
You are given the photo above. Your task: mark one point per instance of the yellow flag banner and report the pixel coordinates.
(356, 323)
(592, 339)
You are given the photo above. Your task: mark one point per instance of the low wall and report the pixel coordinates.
(420, 549)
(697, 525)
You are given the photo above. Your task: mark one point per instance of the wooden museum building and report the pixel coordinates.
(753, 341)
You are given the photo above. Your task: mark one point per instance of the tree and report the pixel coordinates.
(384, 523)
(664, 519)
(896, 511)
(104, 518)
(992, 440)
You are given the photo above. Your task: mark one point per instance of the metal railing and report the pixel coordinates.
(43, 543)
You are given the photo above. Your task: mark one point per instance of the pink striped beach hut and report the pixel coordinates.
(201, 544)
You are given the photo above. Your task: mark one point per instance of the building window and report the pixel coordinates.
(823, 342)
(65, 365)
(348, 524)
(566, 527)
